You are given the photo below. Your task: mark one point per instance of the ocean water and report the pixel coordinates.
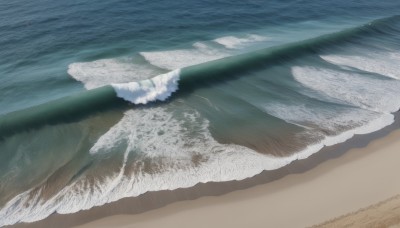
(105, 100)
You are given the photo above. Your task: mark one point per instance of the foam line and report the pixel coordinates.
(386, 64)
(174, 59)
(223, 162)
(233, 42)
(106, 71)
(351, 88)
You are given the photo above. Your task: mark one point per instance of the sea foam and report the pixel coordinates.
(380, 95)
(157, 88)
(179, 58)
(221, 162)
(105, 71)
(201, 52)
(233, 42)
(386, 64)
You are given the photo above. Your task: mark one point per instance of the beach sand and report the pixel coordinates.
(355, 180)
(383, 214)
(331, 183)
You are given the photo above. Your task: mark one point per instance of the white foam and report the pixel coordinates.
(333, 119)
(122, 70)
(106, 71)
(386, 64)
(351, 88)
(200, 53)
(139, 130)
(383, 120)
(175, 59)
(233, 42)
(142, 92)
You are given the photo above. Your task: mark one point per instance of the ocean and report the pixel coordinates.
(105, 100)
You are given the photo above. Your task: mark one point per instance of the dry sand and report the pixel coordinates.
(357, 179)
(383, 214)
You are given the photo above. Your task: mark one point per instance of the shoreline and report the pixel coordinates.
(332, 189)
(297, 173)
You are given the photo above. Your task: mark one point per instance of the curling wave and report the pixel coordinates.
(160, 88)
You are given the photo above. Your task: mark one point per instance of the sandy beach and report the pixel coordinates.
(383, 214)
(357, 179)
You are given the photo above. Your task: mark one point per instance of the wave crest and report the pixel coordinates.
(142, 92)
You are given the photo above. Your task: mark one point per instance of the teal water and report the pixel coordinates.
(101, 101)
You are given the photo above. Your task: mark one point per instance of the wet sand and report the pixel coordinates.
(359, 178)
(336, 181)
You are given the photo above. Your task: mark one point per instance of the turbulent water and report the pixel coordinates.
(101, 101)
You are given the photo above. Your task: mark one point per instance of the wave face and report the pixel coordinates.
(157, 88)
(211, 113)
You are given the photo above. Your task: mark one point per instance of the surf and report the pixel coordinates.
(185, 80)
